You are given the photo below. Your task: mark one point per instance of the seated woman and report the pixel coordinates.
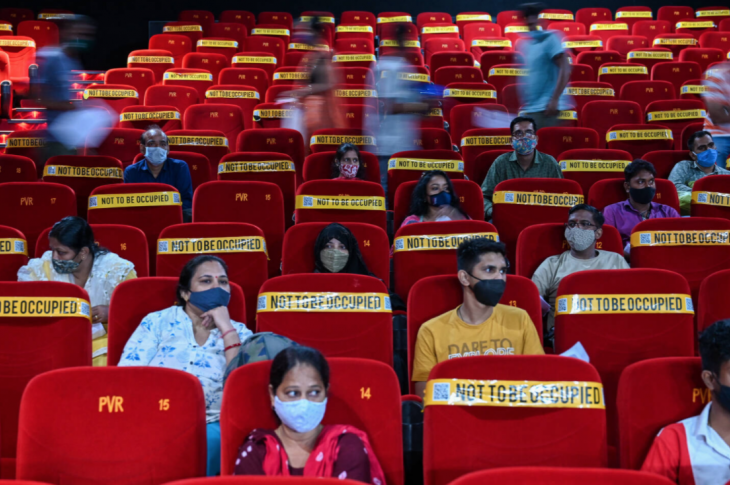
(197, 331)
(301, 445)
(75, 258)
(346, 165)
(336, 251)
(434, 199)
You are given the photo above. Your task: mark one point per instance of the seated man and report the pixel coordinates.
(480, 326)
(703, 155)
(156, 167)
(639, 185)
(583, 229)
(696, 451)
(524, 162)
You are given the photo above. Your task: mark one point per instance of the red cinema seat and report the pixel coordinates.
(676, 72)
(610, 191)
(244, 76)
(703, 57)
(673, 391)
(150, 207)
(695, 27)
(241, 246)
(140, 117)
(226, 118)
(567, 28)
(387, 36)
(580, 93)
(258, 203)
(17, 168)
(368, 333)
(43, 32)
(177, 45)
(676, 115)
(112, 97)
(410, 165)
(119, 143)
(587, 16)
(502, 75)
(479, 140)
(596, 59)
(465, 19)
(587, 166)
(469, 193)
(66, 339)
(554, 16)
(561, 436)
(582, 73)
(715, 40)
(457, 94)
(16, 15)
(244, 97)
(675, 42)
(134, 299)
(358, 17)
(623, 44)
(433, 139)
(341, 201)
(509, 17)
(650, 57)
(21, 53)
(256, 60)
(607, 29)
(632, 15)
(538, 242)
(638, 139)
(665, 160)
(271, 115)
(353, 59)
(200, 79)
(361, 46)
(199, 166)
(654, 333)
(378, 416)
(439, 31)
(716, 14)
(359, 117)
(602, 115)
(410, 253)
(561, 476)
(467, 116)
(412, 58)
(274, 93)
(156, 60)
(127, 242)
(424, 18)
(278, 140)
(673, 14)
(709, 197)
(319, 166)
(483, 44)
(330, 139)
(517, 205)
(575, 44)
(435, 46)
(213, 144)
(290, 76)
(556, 140)
(138, 77)
(511, 98)
(230, 30)
(211, 62)
(30, 207)
(276, 18)
(29, 144)
(651, 28)
(354, 75)
(203, 17)
(298, 252)
(356, 94)
(274, 46)
(132, 395)
(242, 17)
(387, 22)
(191, 30)
(453, 74)
(515, 32)
(644, 92)
(619, 73)
(293, 58)
(83, 174)
(354, 31)
(450, 58)
(490, 59)
(13, 255)
(713, 306)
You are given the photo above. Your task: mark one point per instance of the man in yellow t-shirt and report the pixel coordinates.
(480, 326)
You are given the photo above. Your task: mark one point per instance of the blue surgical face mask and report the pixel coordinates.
(707, 158)
(209, 299)
(155, 155)
(442, 198)
(302, 415)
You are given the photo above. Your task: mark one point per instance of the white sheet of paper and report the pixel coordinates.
(577, 351)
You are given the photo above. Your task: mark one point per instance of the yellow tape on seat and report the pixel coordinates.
(150, 60)
(601, 26)
(354, 28)
(388, 20)
(712, 13)
(201, 141)
(256, 167)
(356, 93)
(450, 29)
(624, 70)
(650, 55)
(693, 89)
(353, 58)
(231, 94)
(340, 139)
(260, 31)
(665, 41)
(682, 114)
(572, 91)
(272, 114)
(435, 112)
(12, 245)
(576, 44)
(556, 16)
(502, 71)
(188, 76)
(536, 198)
(230, 44)
(6, 28)
(25, 142)
(680, 238)
(491, 43)
(516, 29)
(394, 43)
(148, 199)
(486, 141)
(291, 76)
(431, 242)
(308, 47)
(631, 135)
(206, 245)
(323, 302)
(346, 202)
(326, 20)
(44, 306)
(711, 198)
(470, 93)
(110, 93)
(149, 115)
(695, 25)
(182, 28)
(422, 164)
(254, 60)
(16, 43)
(84, 172)
(474, 17)
(634, 15)
(593, 165)
(676, 303)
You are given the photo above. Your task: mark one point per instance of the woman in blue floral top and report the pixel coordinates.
(196, 335)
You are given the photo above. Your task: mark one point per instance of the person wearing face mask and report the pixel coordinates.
(75, 258)
(434, 200)
(524, 162)
(346, 165)
(703, 162)
(156, 167)
(696, 451)
(197, 336)
(480, 325)
(639, 185)
(302, 445)
(336, 251)
(583, 229)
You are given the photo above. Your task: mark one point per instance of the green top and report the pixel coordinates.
(505, 167)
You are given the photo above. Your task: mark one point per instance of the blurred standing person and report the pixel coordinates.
(717, 100)
(549, 66)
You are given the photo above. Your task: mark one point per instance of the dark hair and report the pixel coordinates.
(340, 153)
(715, 346)
(520, 119)
(150, 128)
(637, 166)
(288, 358)
(183, 284)
(469, 252)
(419, 199)
(355, 263)
(400, 36)
(597, 216)
(694, 136)
(77, 234)
(532, 9)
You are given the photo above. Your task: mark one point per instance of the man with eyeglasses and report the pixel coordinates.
(583, 229)
(524, 162)
(702, 162)
(157, 167)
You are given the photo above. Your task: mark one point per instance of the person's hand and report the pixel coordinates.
(100, 314)
(552, 108)
(217, 317)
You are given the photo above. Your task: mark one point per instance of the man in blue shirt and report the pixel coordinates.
(156, 167)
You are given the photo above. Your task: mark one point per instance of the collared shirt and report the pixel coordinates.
(166, 339)
(174, 172)
(690, 453)
(687, 172)
(505, 167)
(624, 217)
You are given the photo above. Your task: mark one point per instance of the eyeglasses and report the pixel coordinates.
(582, 224)
(523, 134)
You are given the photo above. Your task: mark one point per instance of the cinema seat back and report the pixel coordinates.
(610, 191)
(17, 168)
(30, 144)
(587, 166)
(707, 199)
(318, 166)
(13, 253)
(410, 165)
(713, 305)
(167, 117)
(562, 476)
(177, 45)
(120, 143)
(213, 144)
(662, 138)
(278, 140)
(469, 192)
(330, 192)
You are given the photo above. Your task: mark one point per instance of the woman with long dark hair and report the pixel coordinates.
(434, 199)
(347, 164)
(336, 251)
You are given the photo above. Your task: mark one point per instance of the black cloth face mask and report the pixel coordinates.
(488, 292)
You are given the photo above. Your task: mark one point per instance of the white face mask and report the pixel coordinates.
(580, 239)
(155, 155)
(302, 415)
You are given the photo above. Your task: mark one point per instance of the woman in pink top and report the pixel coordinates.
(434, 199)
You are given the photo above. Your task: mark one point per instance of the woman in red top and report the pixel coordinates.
(301, 445)
(346, 165)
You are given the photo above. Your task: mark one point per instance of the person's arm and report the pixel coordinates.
(560, 59)
(542, 278)
(142, 345)
(424, 359)
(664, 455)
(250, 459)
(352, 461)
(531, 340)
(490, 182)
(130, 175)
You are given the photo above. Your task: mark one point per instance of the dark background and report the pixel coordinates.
(123, 25)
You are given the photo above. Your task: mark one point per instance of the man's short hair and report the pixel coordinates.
(694, 136)
(150, 128)
(598, 218)
(532, 9)
(470, 251)
(715, 346)
(520, 119)
(637, 166)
